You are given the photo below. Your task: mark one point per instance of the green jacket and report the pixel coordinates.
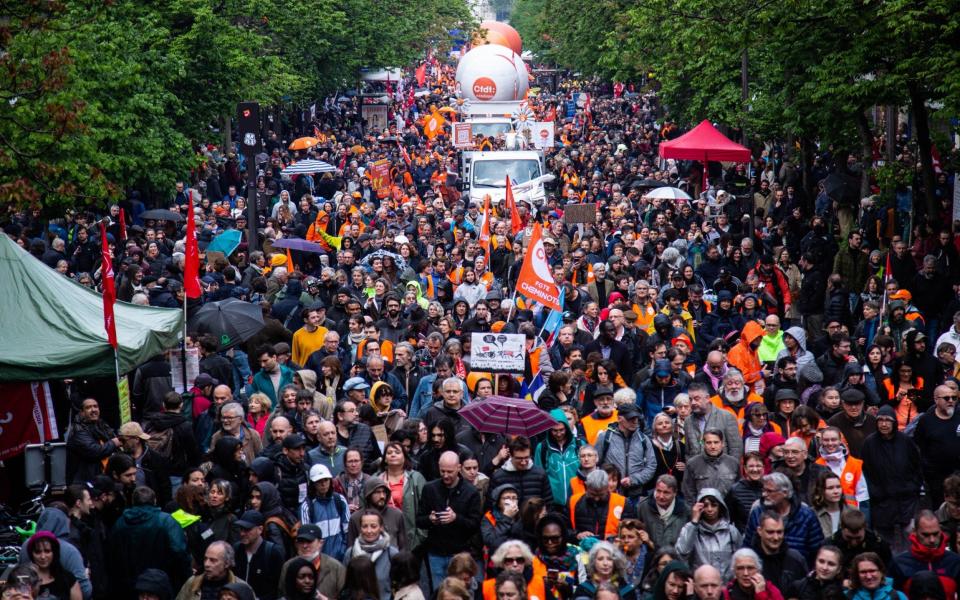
(561, 464)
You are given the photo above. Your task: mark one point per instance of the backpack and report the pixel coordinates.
(606, 446)
(161, 442)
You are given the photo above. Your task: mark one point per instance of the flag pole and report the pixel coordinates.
(183, 345)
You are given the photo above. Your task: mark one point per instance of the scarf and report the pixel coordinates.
(834, 460)
(666, 512)
(666, 445)
(924, 554)
(373, 550)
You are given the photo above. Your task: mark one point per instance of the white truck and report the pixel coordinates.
(486, 172)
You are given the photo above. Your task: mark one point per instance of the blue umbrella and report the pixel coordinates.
(227, 242)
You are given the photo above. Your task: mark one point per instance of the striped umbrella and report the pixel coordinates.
(510, 416)
(308, 166)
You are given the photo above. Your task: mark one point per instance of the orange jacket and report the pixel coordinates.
(535, 587)
(717, 401)
(592, 426)
(615, 505)
(745, 358)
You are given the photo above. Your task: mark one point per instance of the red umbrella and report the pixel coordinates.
(510, 416)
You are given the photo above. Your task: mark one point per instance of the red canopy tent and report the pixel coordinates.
(704, 143)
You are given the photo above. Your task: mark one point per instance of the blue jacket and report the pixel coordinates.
(262, 382)
(653, 398)
(423, 398)
(801, 531)
(332, 514)
(884, 592)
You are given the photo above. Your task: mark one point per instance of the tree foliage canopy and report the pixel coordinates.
(99, 97)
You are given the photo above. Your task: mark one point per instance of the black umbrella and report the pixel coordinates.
(160, 214)
(232, 320)
(648, 183)
(840, 187)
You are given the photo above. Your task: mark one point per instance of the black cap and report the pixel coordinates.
(309, 532)
(628, 411)
(786, 394)
(852, 396)
(249, 520)
(294, 441)
(603, 390)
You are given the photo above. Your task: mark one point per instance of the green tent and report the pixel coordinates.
(51, 327)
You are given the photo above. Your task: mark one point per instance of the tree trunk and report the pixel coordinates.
(920, 115)
(806, 164)
(227, 134)
(866, 151)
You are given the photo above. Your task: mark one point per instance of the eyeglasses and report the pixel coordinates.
(552, 538)
(950, 398)
(514, 560)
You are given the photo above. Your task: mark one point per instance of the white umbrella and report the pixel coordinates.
(668, 193)
(308, 166)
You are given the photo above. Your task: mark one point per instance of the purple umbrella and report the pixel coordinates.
(511, 416)
(299, 244)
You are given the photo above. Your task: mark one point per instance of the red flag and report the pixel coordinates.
(484, 238)
(535, 281)
(30, 418)
(109, 288)
(516, 223)
(421, 74)
(290, 268)
(123, 226)
(191, 266)
(404, 153)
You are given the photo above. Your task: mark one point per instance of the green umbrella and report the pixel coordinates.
(227, 242)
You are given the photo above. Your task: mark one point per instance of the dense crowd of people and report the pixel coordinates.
(754, 393)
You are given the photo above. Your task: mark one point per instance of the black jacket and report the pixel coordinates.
(464, 500)
(292, 476)
(740, 500)
(87, 445)
(485, 450)
(184, 446)
(813, 289)
(157, 475)
(151, 382)
(262, 571)
(811, 588)
(219, 368)
(619, 354)
(530, 483)
(892, 468)
(782, 568)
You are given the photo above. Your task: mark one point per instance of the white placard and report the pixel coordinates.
(542, 134)
(498, 352)
(193, 369)
(462, 135)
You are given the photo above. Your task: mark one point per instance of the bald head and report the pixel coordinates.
(449, 466)
(707, 583)
(222, 395)
(280, 427)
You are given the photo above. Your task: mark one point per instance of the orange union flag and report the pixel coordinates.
(535, 281)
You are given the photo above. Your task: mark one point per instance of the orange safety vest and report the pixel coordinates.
(614, 511)
(739, 414)
(535, 587)
(592, 426)
(905, 409)
(849, 478)
(576, 486)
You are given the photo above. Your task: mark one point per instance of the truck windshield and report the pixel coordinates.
(489, 129)
(493, 173)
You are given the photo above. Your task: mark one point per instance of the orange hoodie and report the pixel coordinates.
(745, 358)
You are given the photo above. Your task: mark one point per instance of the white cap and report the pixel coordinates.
(318, 472)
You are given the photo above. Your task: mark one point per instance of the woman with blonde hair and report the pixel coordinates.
(452, 588)
(259, 406)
